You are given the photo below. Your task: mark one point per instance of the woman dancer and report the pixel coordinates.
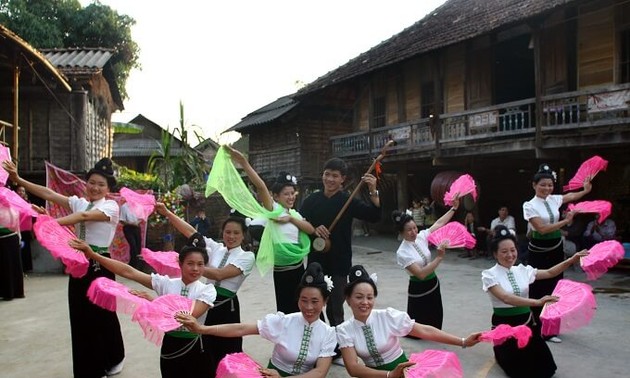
(424, 300)
(182, 353)
(227, 268)
(508, 286)
(303, 344)
(96, 351)
(289, 238)
(373, 335)
(545, 242)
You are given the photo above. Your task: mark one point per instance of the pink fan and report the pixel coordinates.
(141, 205)
(603, 208)
(575, 308)
(165, 263)
(434, 364)
(463, 185)
(9, 198)
(5, 155)
(502, 332)
(589, 168)
(158, 316)
(54, 238)
(602, 256)
(456, 235)
(238, 365)
(114, 296)
(9, 218)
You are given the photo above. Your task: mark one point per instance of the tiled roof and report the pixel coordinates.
(267, 113)
(453, 22)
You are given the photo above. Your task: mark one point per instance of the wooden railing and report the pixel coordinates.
(595, 107)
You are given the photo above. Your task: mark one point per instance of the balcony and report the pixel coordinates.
(586, 109)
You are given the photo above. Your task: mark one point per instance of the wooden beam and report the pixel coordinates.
(16, 112)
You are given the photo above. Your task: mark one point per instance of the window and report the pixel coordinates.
(378, 112)
(624, 43)
(427, 105)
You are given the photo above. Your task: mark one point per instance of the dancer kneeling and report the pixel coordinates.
(374, 335)
(508, 287)
(182, 353)
(310, 354)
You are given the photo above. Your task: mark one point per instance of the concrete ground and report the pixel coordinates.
(35, 342)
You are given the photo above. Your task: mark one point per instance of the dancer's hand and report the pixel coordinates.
(547, 298)
(81, 245)
(11, 169)
(399, 370)
(370, 180)
(40, 210)
(269, 372)
(237, 156)
(472, 339)
(142, 294)
(322, 232)
(188, 321)
(160, 208)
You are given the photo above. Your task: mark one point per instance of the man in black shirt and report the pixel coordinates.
(320, 209)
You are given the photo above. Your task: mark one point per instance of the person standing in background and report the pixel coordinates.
(201, 223)
(131, 229)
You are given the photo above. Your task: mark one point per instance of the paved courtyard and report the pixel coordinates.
(35, 342)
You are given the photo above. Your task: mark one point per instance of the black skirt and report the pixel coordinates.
(225, 310)
(535, 360)
(11, 275)
(286, 280)
(184, 358)
(424, 302)
(97, 343)
(544, 260)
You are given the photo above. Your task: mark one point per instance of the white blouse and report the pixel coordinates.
(535, 207)
(289, 231)
(387, 326)
(244, 260)
(196, 290)
(287, 333)
(97, 233)
(498, 275)
(407, 253)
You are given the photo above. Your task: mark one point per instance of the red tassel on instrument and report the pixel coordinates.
(378, 169)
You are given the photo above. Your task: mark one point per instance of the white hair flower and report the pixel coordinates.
(409, 212)
(329, 283)
(373, 277)
(248, 221)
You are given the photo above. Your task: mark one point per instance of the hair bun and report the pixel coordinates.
(196, 240)
(501, 232)
(358, 274)
(104, 166)
(286, 178)
(544, 168)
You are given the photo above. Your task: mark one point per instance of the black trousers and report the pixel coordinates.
(132, 234)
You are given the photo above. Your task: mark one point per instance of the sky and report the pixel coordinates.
(225, 59)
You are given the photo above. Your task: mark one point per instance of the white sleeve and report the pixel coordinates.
(110, 208)
(399, 322)
(531, 273)
(208, 295)
(245, 262)
(159, 283)
(529, 211)
(488, 279)
(74, 202)
(329, 344)
(271, 327)
(344, 338)
(511, 223)
(405, 257)
(556, 199)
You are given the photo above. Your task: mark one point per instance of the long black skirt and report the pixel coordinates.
(184, 358)
(544, 260)
(424, 302)
(285, 282)
(535, 360)
(11, 276)
(226, 310)
(97, 343)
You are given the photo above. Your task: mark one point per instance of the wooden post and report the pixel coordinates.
(16, 112)
(538, 87)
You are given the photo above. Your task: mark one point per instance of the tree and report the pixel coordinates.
(175, 168)
(64, 23)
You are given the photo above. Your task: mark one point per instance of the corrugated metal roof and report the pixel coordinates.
(139, 147)
(267, 113)
(79, 57)
(453, 22)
